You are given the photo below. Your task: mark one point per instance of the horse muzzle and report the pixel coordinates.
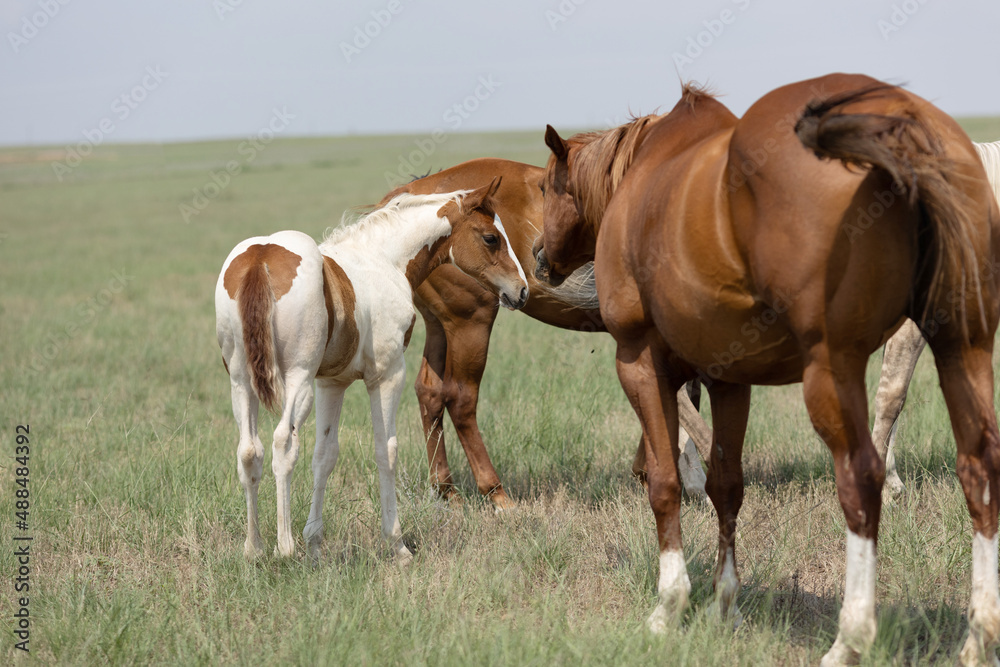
(544, 272)
(516, 299)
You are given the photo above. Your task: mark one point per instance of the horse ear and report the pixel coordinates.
(481, 197)
(556, 143)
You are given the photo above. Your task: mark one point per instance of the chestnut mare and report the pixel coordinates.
(289, 312)
(459, 316)
(733, 250)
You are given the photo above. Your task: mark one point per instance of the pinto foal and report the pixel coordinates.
(289, 312)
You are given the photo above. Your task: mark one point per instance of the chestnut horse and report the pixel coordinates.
(459, 315)
(735, 250)
(289, 312)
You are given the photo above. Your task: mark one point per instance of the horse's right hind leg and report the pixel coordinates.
(901, 354)
(249, 460)
(967, 383)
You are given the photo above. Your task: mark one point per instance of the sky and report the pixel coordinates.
(128, 71)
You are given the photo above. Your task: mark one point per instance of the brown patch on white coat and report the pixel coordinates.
(339, 297)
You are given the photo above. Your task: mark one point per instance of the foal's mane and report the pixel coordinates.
(399, 207)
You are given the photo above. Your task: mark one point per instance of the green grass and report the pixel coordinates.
(138, 517)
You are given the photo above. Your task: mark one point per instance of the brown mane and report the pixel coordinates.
(603, 157)
(601, 160)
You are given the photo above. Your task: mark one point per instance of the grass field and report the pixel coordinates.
(138, 519)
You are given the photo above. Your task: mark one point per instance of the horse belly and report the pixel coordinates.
(745, 345)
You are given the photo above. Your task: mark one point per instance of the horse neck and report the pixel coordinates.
(415, 242)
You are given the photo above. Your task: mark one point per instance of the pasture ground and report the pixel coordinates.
(138, 518)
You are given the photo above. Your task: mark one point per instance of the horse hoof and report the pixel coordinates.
(660, 620)
(840, 654)
(731, 617)
(252, 551)
(404, 557)
(892, 488)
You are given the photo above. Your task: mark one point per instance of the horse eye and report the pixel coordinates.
(491, 239)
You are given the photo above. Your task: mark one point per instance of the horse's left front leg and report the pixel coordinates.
(384, 397)
(654, 399)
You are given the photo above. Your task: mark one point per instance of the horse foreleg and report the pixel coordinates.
(967, 384)
(654, 400)
(384, 398)
(835, 397)
(898, 362)
(730, 410)
(468, 345)
(329, 401)
(431, 401)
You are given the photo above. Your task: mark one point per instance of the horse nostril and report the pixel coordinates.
(524, 294)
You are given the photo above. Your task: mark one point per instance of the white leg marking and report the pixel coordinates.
(984, 604)
(857, 615)
(986, 494)
(673, 587)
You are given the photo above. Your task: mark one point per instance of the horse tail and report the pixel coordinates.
(907, 148)
(255, 300)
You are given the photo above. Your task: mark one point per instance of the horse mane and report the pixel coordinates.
(397, 208)
(693, 92)
(603, 157)
(601, 162)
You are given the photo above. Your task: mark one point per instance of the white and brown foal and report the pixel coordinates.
(289, 312)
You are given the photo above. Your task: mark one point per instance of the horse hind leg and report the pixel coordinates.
(384, 398)
(898, 363)
(329, 401)
(834, 391)
(249, 459)
(967, 384)
(285, 452)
